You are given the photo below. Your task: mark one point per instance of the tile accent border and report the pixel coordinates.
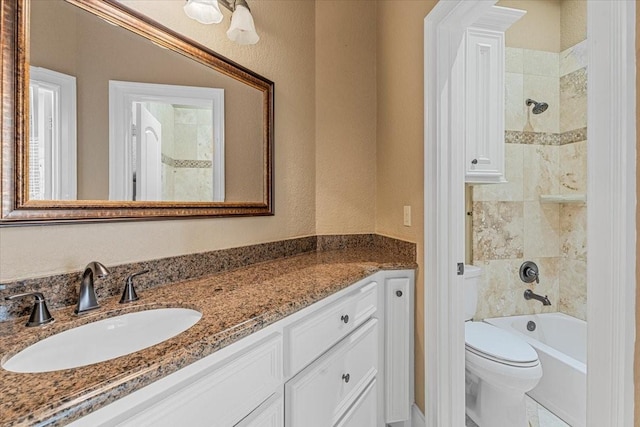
(545, 138)
(197, 164)
(61, 290)
(571, 136)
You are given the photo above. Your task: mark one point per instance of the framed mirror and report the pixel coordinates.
(108, 115)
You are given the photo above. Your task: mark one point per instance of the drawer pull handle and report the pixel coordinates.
(346, 377)
(345, 319)
(399, 293)
(474, 161)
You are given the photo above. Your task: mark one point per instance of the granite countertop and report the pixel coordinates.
(233, 305)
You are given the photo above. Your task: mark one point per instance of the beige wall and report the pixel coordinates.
(400, 138)
(573, 21)
(345, 117)
(526, 33)
(284, 55)
(637, 349)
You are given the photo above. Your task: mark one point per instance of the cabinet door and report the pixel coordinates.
(398, 348)
(222, 397)
(320, 394)
(484, 137)
(363, 413)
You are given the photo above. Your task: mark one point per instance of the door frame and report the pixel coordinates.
(611, 210)
(121, 96)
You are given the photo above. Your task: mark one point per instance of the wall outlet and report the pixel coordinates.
(407, 216)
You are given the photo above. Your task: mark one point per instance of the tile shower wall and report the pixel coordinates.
(187, 152)
(545, 155)
(573, 180)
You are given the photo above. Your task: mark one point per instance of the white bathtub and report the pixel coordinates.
(561, 343)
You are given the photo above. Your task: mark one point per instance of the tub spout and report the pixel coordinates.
(528, 294)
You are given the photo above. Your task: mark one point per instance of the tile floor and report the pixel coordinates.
(537, 415)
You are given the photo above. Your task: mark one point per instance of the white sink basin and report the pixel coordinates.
(103, 340)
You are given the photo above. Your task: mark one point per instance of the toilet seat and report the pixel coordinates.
(497, 345)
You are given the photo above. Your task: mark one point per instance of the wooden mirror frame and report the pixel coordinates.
(16, 209)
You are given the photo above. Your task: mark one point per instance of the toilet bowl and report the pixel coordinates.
(499, 368)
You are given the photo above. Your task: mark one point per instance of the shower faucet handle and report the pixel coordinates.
(529, 272)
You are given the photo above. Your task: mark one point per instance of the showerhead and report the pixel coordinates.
(538, 107)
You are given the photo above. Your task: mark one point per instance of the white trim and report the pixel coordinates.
(444, 193)
(64, 174)
(445, 102)
(417, 417)
(611, 227)
(123, 94)
(611, 208)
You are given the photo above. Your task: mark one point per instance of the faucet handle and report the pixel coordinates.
(529, 272)
(129, 293)
(39, 313)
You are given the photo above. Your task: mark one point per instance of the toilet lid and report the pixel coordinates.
(496, 344)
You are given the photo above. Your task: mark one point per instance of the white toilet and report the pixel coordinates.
(499, 367)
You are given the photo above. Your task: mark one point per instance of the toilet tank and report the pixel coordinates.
(471, 280)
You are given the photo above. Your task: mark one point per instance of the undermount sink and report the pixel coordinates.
(103, 340)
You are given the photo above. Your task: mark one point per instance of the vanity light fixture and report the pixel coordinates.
(242, 30)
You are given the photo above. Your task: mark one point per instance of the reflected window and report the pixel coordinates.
(52, 135)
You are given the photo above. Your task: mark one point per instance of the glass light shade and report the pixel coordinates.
(242, 30)
(203, 11)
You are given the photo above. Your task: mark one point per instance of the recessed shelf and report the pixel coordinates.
(566, 198)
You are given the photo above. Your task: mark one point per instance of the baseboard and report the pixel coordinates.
(417, 417)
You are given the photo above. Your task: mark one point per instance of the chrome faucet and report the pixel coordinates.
(528, 294)
(87, 299)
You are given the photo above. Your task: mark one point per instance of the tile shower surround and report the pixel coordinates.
(510, 224)
(62, 290)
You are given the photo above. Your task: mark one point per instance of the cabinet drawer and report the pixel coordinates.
(363, 413)
(221, 397)
(269, 414)
(320, 394)
(315, 334)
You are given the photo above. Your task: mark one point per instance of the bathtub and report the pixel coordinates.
(561, 343)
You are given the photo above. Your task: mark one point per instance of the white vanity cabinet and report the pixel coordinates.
(323, 392)
(269, 414)
(398, 347)
(315, 334)
(345, 361)
(219, 390)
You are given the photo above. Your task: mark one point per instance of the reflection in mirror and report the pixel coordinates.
(69, 40)
(166, 142)
(72, 151)
(52, 135)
